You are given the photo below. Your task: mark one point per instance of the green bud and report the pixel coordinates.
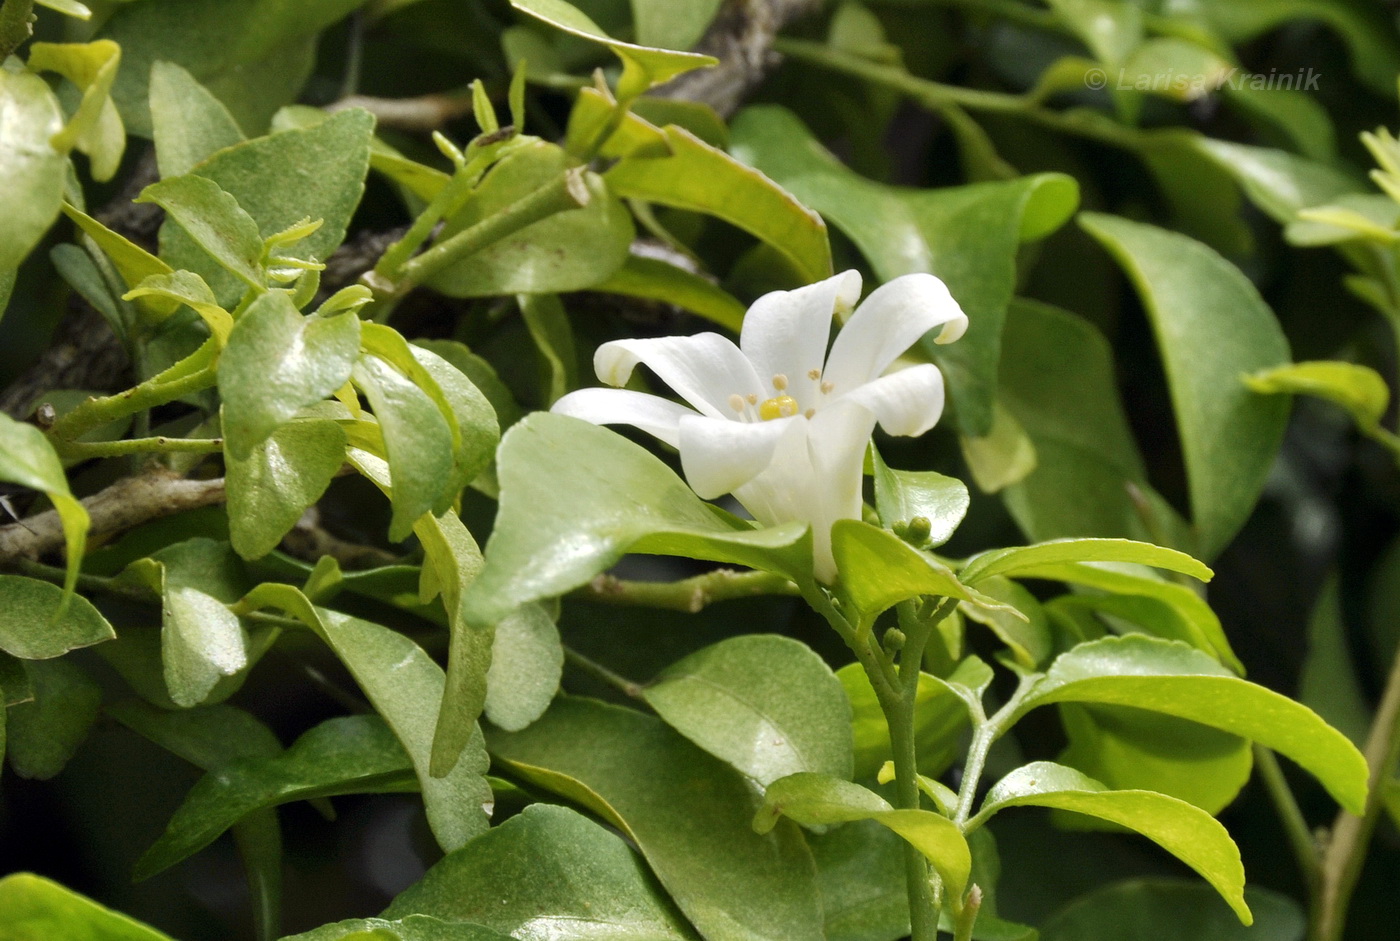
(894, 640)
(919, 531)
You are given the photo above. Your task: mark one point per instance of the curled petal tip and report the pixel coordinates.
(952, 330)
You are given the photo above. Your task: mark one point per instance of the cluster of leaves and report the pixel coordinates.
(748, 790)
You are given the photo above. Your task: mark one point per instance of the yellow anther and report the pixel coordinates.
(780, 382)
(736, 402)
(814, 374)
(783, 406)
(810, 412)
(827, 387)
(752, 398)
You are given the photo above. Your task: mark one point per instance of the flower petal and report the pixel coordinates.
(651, 413)
(704, 369)
(907, 402)
(836, 442)
(786, 332)
(719, 456)
(891, 320)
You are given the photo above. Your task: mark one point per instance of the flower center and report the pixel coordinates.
(781, 406)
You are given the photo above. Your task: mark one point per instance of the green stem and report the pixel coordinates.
(923, 914)
(567, 191)
(98, 411)
(92, 584)
(1346, 850)
(16, 25)
(617, 681)
(81, 450)
(1295, 826)
(962, 929)
(689, 595)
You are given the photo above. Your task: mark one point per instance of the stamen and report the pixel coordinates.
(810, 412)
(736, 402)
(827, 387)
(814, 374)
(780, 382)
(752, 398)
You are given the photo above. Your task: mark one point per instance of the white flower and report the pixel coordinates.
(777, 421)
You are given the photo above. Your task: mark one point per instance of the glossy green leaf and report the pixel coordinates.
(410, 928)
(642, 66)
(700, 178)
(687, 812)
(1057, 377)
(27, 459)
(1358, 389)
(1171, 678)
(527, 661)
(33, 908)
(765, 704)
(1017, 560)
(1126, 749)
(43, 734)
(1172, 910)
(548, 866)
(465, 405)
(347, 755)
(1211, 326)
(900, 496)
(939, 720)
(1005, 455)
(31, 170)
(669, 24)
(188, 123)
(818, 800)
(1185, 831)
(966, 235)
(568, 251)
(654, 280)
(282, 476)
(878, 570)
(189, 289)
(132, 262)
(277, 363)
(1278, 182)
(38, 623)
(1021, 624)
(1110, 30)
(95, 127)
(253, 55)
(548, 325)
(215, 222)
(417, 440)
(1329, 683)
(550, 539)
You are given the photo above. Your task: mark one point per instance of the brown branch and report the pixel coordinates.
(128, 502)
(741, 37)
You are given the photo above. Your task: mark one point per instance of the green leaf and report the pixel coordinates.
(410, 928)
(1358, 389)
(1329, 684)
(1185, 831)
(687, 812)
(1279, 183)
(282, 476)
(1128, 748)
(1057, 377)
(552, 860)
(134, 263)
(900, 496)
(548, 324)
(698, 177)
(37, 622)
(670, 24)
(95, 127)
(417, 440)
(188, 123)
(1173, 679)
(1172, 910)
(31, 170)
(27, 459)
(215, 221)
(1111, 30)
(878, 570)
(655, 280)
(346, 755)
(550, 539)
(966, 235)
(767, 705)
(642, 66)
(1017, 560)
(1021, 624)
(939, 720)
(43, 734)
(277, 363)
(1211, 326)
(1005, 455)
(187, 288)
(527, 661)
(568, 251)
(37, 909)
(252, 54)
(817, 800)
(466, 407)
